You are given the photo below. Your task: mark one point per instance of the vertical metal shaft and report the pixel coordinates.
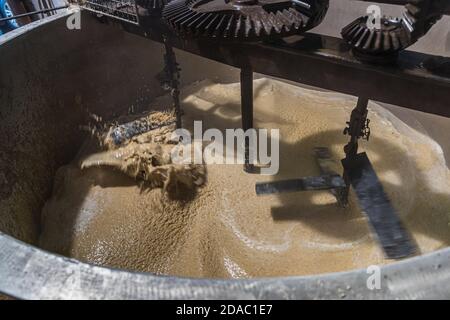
(355, 129)
(356, 126)
(173, 73)
(247, 111)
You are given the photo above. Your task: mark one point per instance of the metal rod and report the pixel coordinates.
(355, 129)
(32, 13)
(356, 125)
(173, 73)
(247, 98)
(247, 111)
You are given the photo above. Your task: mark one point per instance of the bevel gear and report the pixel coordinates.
(393, 34)
(243, 19)
(390, 38)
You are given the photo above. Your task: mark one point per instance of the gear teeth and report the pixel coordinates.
(404, 39)
(296, 17)
(188, 20)
(386, 42)
(229, 27)
(389, 39)
(395, 42)
(194, 22)
(203, 21)
(210, 25)
(368, 43)
(254, 22)
(182, 17)
(265, 23)
(276, 23)
(351, 31)
(362, 38)
(248, 26)
(239, 25)
(284, 22)
(220, 26)
(411, 18)
(351, 26)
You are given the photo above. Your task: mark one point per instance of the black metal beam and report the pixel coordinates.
(416, 81)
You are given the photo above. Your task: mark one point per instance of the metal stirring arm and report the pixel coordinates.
(361, 176)
(373, 200)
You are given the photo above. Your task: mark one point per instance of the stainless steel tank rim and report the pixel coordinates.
(27, 272)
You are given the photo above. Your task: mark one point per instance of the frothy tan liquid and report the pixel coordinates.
(224, 230)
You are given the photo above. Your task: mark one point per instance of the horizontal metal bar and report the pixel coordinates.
(324, 182)
(32, 13)
(416, 81)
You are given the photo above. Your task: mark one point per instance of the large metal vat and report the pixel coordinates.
(48, 76)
